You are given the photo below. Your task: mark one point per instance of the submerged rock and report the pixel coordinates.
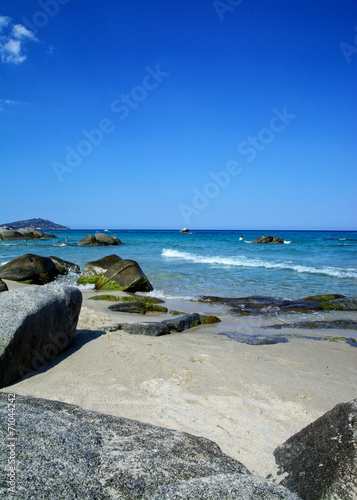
(320, 461)
(36, 324)
(273, 305)
(63, 451)
(254, 339)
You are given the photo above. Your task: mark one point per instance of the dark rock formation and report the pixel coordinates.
(153, 329)
(3, 286)
(129, 307)
(36, 324)
(272, 305)
(344, 304)
(25, 233)
(344, 324)
(183, 322)
(268, 239)
(99, 239)
(31, 268)
(320, 461)
(127, 273)
(101, 266)
(253, 339)
(63, 266)
(66, 452)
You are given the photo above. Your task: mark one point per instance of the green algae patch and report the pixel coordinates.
(155, 308)
(105, 297)
(27, 282)
(194, 323)
(176, 313)
(87, 280)
(209, 319)
(104, 283)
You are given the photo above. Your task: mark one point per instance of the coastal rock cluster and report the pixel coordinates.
(25, 233)
(35, 269)
(108, 273)
(269, 239)
(99, 239)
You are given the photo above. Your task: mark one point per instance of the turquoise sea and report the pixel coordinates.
(217, 262)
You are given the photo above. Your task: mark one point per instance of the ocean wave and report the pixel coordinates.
(161, 294)
(287, 242)
(245, 262)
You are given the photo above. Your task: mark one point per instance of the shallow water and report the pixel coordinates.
(217, 263)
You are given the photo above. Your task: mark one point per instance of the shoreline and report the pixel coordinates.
(246, 398)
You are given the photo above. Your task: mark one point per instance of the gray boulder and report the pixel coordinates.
(106, 239)
(29, 267)
(36, 324)
(63, 451)
(99, 239)
(320, 461)
(3, 286)
(153, 329)
(88, 241)
(268, 239)
(101, 266)
(127, 273)
(10, 234)
(64, 266)
(183, 322)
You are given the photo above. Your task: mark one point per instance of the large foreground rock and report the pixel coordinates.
(36, 324)
(30, 267)
(66, 452)
(99, 239)
(320, 461)
(127, 273)
(100, 266)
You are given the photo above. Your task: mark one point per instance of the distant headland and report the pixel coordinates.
(37, 223)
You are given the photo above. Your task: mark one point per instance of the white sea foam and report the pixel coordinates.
(287, 242)
(245, 262)
(161, 294)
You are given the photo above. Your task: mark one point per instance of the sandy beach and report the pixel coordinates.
(246, 398)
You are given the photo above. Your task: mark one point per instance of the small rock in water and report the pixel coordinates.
(254, 339)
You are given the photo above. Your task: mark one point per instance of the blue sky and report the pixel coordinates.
(163, 114)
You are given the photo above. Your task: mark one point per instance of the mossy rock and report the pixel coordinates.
(324, 298)
(87, 280)
(105, 297)
(194, 323)
(209, 319)
(27, 282)
(140, 298)
(176, 313)
(104, 283)
(155, 308)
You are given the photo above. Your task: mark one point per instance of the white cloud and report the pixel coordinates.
(22, 33)
(13, 37)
